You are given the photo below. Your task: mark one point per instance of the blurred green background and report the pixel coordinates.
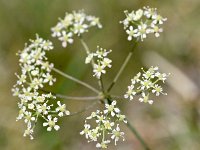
(172, 123)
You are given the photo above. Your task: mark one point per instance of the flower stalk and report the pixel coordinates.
(75, 80)
(123, 66)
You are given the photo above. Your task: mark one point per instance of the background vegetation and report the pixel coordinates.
(172, 123)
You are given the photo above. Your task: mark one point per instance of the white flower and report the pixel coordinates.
(107, 124)
(111, 109)
(80, 28)
(100, 118)
(141, 31)
(47, 45)
(89, 58)
(122, 118)
(149, 12)
(49, 78)
(106, 62)
(51, 123)
(66, 38)
(158, 19)
(94, 21)
(86, 131)
(99, 61)
(43, 108)
(131, 33)
(138, 15)
(62, 109)
(116, 134)
(94, 134)
(145, 99)
(56, 31)
(156, 30)
(130, 93)
(157, 90)
(103, 144)
(146, 84)
(28, 117)
(98, 70)
(28, 132)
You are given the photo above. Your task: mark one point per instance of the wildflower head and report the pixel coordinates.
(138, 24)
(75, 23)
(35, 74)
(100, 61)
(148, 82)
(107, 126)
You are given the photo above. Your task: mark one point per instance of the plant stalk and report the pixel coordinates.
(75, 80)
(138, 136)
(122, 67)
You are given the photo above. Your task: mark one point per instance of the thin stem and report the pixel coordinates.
(87, 50)
(83, 110)
(138, 136)
(75, 80)
(89, 98)
(122, 67)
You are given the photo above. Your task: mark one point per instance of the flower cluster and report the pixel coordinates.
(101, 61)
(142, 22)
(75, 23)
(146, 83)
(107, 128)
(35, 73)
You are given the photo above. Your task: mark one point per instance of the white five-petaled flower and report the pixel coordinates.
(145, 98)
(66, 38)
(131, 33)
(111, 108)
(62, 109)
(156, 30)
(49, 78)
(116, 134)
(51, 123)
(106, 62)
(142, 31)
(86, 131)
(130, 93)
(98, 70)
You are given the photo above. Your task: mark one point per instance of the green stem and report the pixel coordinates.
(75, 80)
(138, 136)
(89, 98)
(122, 67)
(83, 110)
